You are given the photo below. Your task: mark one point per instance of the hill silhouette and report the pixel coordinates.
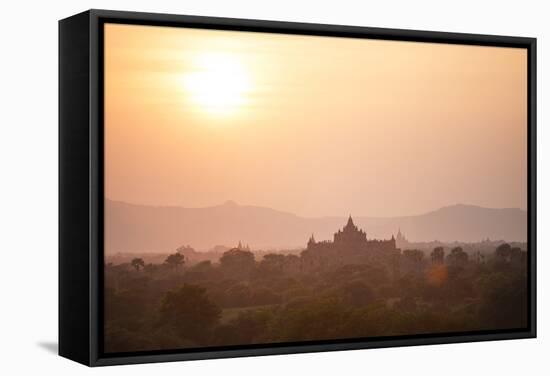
(141, 228)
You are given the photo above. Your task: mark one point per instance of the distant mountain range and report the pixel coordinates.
(140, 228)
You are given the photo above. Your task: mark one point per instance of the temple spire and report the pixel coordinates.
(350, 221)
(311, 241)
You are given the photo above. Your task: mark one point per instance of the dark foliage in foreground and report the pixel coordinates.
(243, 301)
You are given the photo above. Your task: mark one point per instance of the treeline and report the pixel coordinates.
(244, 301)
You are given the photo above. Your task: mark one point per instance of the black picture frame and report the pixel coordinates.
(81, 184)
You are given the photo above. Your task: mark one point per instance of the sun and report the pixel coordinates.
(219, 84)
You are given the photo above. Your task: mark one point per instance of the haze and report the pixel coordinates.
(315, 126)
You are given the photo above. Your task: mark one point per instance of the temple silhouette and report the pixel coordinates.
(350, 245)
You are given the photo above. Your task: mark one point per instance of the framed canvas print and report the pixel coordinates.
(235, 187)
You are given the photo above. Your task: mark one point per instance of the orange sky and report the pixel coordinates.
(312, 125)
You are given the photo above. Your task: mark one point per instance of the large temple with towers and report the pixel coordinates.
(350, 246)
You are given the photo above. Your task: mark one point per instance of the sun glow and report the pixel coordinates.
(219, 84)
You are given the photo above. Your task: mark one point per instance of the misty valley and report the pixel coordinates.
(345, 288)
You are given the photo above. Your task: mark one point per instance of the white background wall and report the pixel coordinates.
(28, 207)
